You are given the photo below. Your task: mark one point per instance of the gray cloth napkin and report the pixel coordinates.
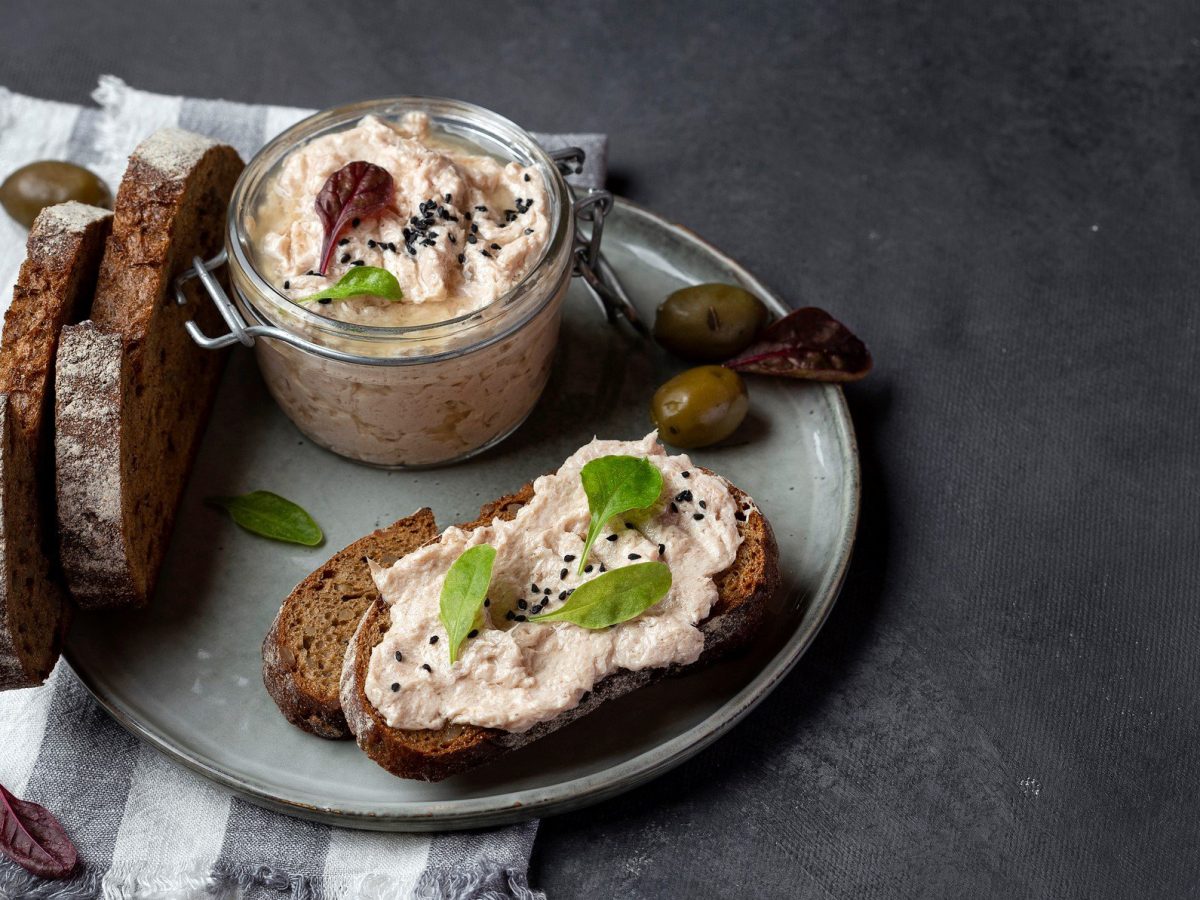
(145, 827)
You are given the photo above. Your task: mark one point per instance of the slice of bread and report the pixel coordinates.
(743, 590)
(305, 647)
(134, 392)
(54, 288)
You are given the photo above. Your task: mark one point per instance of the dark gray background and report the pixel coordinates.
(1001, 198)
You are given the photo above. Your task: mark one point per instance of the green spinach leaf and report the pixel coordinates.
(616, 485)
(616, 596)
(271, 516)
(463, 593)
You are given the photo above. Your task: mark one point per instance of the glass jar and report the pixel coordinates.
(416, 395)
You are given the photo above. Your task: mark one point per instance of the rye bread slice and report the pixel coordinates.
(134, 392)
(54, 288)
(304, 649)
(432, 755)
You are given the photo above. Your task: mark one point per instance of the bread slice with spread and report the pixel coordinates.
(516, 679)
(304, 649)
(134, 392)
(54, 288)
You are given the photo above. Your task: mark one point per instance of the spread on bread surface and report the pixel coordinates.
(515, 673)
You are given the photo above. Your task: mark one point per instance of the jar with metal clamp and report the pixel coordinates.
(435, 389)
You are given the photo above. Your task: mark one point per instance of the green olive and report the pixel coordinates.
(709, 322)
(700, 406)
(27, 191)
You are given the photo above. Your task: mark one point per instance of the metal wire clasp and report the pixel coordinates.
(590, 265)
(239, 331)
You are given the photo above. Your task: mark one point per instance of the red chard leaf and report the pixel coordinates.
(354, 191)
(810, 344)
(32, 838)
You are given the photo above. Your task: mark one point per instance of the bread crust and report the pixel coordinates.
(744, 589)
(296, 686)
(54, 288)
(135, 392)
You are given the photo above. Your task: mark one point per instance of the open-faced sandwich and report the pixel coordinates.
(625, 564)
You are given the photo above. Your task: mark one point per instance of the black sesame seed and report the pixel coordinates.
(740, 516)
(662, 549)
(474, 632)
(546, 591)
(703, 505)
(487, 602)
(603, 567)
(628, 524)
(588, 567)
(635, 556)
(470, 238)
(325, 300)
(509, 615)
(526, 176)
(433, 639)
(684, 496)
(611, 537)
(562, 574)
(462, 258)
(533, 587)
(529, 231)
(345, 258)
(674, 507)
(355, 223)
(474, 228)
(467, 216)
(446, 197)
(395, 686)
(522, 604)
(358, 262)
(481, 208)
(399, 656)
(494, 246)
(370, 243)
(485, 253)
(411, 250)
(286, 285)
(686, 474)
(562, 595)
(427, 667)
(521, 618)
(570, 557)
(427, 243)
(697, 516)
(343, 242)
(392, 246)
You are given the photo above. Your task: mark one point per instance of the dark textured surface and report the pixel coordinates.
(1002, 199)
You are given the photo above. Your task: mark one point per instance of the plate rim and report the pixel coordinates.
(575, 793)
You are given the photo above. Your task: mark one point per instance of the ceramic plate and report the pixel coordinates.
(185, 674)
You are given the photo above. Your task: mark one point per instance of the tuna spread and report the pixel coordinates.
(463, 228)
(516, 673)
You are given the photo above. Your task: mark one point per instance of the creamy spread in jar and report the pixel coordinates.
(459, 362)
(462, 230)
(514, 673)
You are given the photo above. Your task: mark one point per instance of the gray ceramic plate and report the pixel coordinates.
(185, 674)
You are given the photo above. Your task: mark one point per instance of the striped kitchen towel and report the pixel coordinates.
(144, 826)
